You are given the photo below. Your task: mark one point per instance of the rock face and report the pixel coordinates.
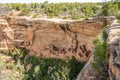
(114, 53)
(88, 72)
(51, 39)
(3, 10)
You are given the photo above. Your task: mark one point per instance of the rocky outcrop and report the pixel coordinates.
(95, 68)
(88, 72)
(114, 51)
(51, 39)
(3, 10)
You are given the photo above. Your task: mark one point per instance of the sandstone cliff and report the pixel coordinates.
(51, 39)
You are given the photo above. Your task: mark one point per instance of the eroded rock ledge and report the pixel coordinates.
(51, 39)
(114, 51)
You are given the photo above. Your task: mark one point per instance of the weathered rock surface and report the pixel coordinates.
(51, 39)
(3, 10)
(88, 72)
(114, 53)
(62, 40)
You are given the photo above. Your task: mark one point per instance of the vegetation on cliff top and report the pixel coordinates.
(66, 10)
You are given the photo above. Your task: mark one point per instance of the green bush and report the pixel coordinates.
(118, 21)
(25, 12)
(61, 9)
(52, 69)
(51, 15)
(100, 52)
(35, 15)
(118, 16)
(45, 68)
(65, 17)
(9, 70)
(86, 17)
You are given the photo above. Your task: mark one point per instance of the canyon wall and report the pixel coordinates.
(113, 51)
(51, 39)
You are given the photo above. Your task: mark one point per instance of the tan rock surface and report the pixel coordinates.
(52, 39)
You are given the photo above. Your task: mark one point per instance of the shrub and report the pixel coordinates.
(86, 17)
(25, 12)
(51, 15)
(52, 69)
(65, 17)
(118, 16)
(100, 52)
(9, 70)
(118, 21)
(35, 15)
(45, 68)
